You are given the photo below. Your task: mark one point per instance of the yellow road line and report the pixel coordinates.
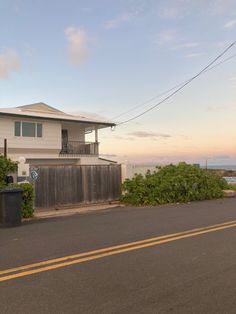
(114, 252)
(103, 250)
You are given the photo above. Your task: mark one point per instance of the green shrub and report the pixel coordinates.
(6, 166)
(173, 184)
(27, 205)
(232, 187)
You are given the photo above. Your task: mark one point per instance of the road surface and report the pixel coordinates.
(166, 259)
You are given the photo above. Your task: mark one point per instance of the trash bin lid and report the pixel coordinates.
(11, 190)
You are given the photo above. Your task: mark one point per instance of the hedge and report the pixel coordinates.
(27, 205)
(7, 166)
(173, 184)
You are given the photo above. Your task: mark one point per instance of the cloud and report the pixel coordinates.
(172, 9)
(118, 21)
(233, 81)
(220, 7)
(86, 9)
(77, 45)
(144, 134)
(9, 62)
(219, 44)
(122, 138)
(230, 24)
(216, 108)
(166, 36)
(219, 108)
(170, 12)
(175, 9)
(187, 45)
(221, 157)
(194, 55)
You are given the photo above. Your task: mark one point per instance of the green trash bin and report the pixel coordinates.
(10, 207)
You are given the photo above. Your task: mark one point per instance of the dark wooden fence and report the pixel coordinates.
(59, 186)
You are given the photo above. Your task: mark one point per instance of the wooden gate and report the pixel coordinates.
(59, 186)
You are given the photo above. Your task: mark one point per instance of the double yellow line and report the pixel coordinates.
(51, 264)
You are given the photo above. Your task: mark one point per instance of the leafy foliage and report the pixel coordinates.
(173, 184)
(27, 205)
(6, 166)
(232, 187)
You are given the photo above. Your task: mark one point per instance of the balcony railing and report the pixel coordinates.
(75, 148)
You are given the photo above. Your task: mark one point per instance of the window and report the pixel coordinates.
(17, 128)
(39, 130)
(28, 129)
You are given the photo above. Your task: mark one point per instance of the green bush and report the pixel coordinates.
(27, 205)
(232, 187)
(173, 184)
(6, 166)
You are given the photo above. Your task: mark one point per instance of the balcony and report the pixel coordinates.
(76, 148)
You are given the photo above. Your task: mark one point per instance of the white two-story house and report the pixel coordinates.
(47, 136)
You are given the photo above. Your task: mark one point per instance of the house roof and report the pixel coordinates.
(43, 111)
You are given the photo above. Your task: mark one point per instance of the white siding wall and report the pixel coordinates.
(92, 160)
(48, 146)
(51, 138)
(129, 170)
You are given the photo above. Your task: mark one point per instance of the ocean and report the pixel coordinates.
(131, 169)
(223, 167)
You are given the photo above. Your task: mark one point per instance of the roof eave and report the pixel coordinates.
(103, 124)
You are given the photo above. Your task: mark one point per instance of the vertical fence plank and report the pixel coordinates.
(70, 185)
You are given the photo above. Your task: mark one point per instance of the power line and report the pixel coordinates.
(206, 68)
(169, 90)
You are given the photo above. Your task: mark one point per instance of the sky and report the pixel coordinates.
(105, 57)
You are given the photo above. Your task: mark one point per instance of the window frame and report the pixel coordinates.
(36, 128)
(19, 126)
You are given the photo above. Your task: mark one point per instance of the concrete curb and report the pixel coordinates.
(42, 214)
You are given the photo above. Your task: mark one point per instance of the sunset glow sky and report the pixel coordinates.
(104, 57)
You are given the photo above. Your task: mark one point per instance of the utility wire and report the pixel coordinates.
(169, 90)
(182, 86)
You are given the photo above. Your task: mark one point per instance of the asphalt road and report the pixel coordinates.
(192, 272)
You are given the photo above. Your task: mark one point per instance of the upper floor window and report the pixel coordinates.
(28, 129)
